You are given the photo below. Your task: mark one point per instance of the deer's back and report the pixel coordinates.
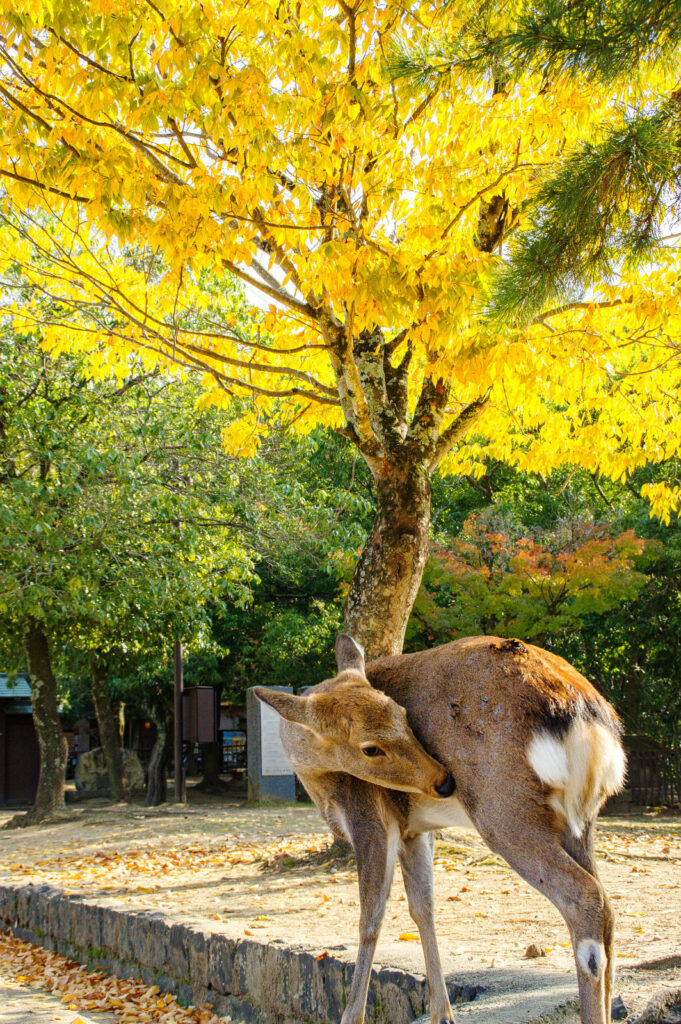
(474, 701)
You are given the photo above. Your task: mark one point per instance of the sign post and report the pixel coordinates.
(179, 766)
(269, 774)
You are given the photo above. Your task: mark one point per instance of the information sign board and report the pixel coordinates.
(272, 757)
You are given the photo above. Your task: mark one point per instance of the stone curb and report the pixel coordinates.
(251, 982)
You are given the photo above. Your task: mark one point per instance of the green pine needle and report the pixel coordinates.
(603, 207)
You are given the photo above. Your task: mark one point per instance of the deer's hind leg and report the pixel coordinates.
(375, 847)
(582, 851)
(416, 859)
(538, 855)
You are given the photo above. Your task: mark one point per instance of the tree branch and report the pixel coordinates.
(458, 428)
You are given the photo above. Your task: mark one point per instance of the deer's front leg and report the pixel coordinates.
(416, 858)
(375, 849)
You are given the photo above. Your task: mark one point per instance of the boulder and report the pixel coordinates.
(91, 773)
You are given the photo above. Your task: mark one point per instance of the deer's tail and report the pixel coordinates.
(580, 768)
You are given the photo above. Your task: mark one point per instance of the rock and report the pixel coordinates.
(534, 950)
(618, 1010)
(91, 773)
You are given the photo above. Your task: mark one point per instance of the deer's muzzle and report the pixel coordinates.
(447, 787)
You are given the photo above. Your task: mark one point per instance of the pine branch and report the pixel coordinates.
(606, 204)
(604, 41)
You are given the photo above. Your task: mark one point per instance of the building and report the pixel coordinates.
(19, 754)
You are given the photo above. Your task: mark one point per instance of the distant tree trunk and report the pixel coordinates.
(210, 781)
(157, 778)
(389, 572)
(109, 736)
(119, 713)
(51, 740)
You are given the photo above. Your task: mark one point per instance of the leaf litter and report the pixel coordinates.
(94, 991)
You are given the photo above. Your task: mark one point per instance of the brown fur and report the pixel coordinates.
(479, 687)
(495, 672)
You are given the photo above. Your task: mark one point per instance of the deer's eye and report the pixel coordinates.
(373, 752)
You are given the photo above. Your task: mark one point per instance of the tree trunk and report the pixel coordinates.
(388, 574)
(119, 714)
(211, 781)
(51, 740)
(109, 736)
(157, 778)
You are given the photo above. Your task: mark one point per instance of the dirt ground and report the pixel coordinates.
(266, 872)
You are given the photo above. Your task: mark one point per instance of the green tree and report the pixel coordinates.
(313, 508)
(492, 580)
(116, 524)
(268, 142)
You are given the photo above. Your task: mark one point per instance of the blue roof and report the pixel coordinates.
(18, 686)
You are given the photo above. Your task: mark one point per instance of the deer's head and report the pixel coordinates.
(344, 725)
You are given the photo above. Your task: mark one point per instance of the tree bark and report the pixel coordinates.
(211, 781)
(389, 572)
(109, 736)
(51, 740)
(157, 777)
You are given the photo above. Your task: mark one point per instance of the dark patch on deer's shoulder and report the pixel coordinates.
(556, 715)
(509, 646)
(555, 718)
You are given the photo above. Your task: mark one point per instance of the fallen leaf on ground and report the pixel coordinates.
(133, 1001)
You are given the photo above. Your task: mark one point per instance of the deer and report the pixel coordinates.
(484, 731)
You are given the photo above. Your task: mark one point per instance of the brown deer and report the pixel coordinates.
(530, 752)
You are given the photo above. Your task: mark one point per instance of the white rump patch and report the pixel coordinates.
(548, 759)
(591, 957)
(583, 768)
(613, 776)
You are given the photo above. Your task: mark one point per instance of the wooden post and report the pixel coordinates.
(179, 767)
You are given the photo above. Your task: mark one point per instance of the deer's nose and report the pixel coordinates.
(447, 787)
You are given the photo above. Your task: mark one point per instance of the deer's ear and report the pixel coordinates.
(349, 654)
(295, 709)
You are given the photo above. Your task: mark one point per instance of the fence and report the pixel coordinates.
(654, 777)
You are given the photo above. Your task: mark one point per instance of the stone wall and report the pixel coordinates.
(249, 981)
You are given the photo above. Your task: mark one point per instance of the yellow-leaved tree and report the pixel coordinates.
(152, 149)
